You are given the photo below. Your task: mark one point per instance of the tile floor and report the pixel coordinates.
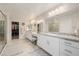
(18, 47)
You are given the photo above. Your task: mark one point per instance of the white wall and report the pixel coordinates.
(8, 29)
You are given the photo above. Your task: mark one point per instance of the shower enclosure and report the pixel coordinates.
(2, 31)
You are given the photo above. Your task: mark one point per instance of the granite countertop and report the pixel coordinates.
(63, 36)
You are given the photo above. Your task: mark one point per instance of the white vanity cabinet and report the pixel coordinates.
(58, 46)
(49, 44)
(54, 46)
(69, 48)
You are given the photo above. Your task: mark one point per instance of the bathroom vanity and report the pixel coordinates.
(59, 45)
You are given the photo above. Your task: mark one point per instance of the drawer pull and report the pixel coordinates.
(67, 43)
(68, 51)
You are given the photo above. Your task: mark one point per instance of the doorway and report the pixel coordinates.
(15, 30)
(39, 27)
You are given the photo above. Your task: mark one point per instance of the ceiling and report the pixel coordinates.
(26, 10)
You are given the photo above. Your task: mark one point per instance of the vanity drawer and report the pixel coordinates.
(69, 51)
(69, 48)
(71, 43)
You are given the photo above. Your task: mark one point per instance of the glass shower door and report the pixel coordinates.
(2, 32)
(2, 37)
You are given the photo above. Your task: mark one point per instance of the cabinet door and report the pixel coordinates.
(42, 42)
(54, 46)
(49, 44)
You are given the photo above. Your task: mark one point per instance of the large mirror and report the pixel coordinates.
(53, 25)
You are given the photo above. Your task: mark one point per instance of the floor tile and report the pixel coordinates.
(19, 47)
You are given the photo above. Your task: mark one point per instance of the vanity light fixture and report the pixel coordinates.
(50, 14)
(56, 11)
